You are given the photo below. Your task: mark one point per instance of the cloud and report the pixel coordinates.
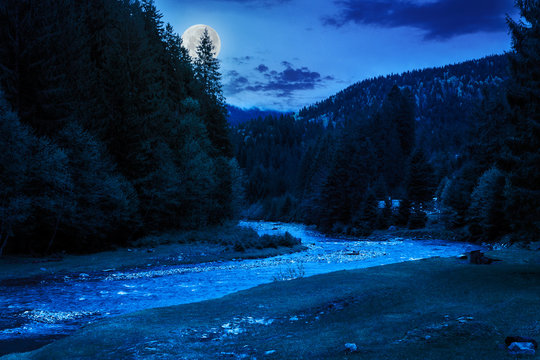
(442, 19)
(280, 83)
(242, 60)
(262, 68)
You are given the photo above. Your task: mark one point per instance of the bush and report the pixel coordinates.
(417, 219)
(486, 213)
(237, 237)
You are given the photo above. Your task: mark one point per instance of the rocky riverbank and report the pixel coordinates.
(438, 308)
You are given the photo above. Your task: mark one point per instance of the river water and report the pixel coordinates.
(37, 311)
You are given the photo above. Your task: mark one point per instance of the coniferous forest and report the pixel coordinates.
(460, 143)
(110, 131)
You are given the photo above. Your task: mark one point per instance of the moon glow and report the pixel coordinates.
(192, 37)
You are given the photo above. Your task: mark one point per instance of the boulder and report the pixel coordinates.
(521, 348)
(351, 347)
(512, 339)
(477, 257)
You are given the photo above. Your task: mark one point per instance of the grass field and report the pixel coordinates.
(427, 309)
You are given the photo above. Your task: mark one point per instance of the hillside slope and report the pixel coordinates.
(446, 98)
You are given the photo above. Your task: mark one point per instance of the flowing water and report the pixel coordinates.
(36, 311)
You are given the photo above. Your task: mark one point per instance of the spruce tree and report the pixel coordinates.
(523, 162)
(207, 67)
(421, 182)
(486, 217)
(213, 108)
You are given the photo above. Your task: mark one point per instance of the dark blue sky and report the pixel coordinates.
(286, 54)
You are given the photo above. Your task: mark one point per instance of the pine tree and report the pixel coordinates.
(486, 217)
(368, 213)
(15, 151)
(36, 56)
(456, 195)
(523, 162)
(213, 108)
(421, 182)
(207, 67)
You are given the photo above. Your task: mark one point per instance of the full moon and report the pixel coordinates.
(192, 37)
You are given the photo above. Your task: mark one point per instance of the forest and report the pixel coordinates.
(110, 132)
(459, 143)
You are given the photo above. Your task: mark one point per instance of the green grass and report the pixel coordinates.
(428, 309)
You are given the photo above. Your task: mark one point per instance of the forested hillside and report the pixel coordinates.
(464, 134)
(237, 116)
(445, 99)
(109, 130)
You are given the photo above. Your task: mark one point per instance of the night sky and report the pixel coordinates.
(286, 54)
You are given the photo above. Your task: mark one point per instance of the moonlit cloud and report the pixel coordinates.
(241, 60)
(262, 68)
(284, 83)
(441, 19)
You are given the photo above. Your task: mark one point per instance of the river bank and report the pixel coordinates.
(176, 248)
(74, 293)
(438, 308)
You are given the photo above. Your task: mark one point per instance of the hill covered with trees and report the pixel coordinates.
(237, 116)
(109, 130)
(465, 134)
(445, 100)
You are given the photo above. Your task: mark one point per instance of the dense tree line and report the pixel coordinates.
(335, 176)
(269, 151)
(495, 193)
(445, 100)
(465, 134)
(109, 129)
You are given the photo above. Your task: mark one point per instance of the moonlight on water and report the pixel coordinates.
(192, 37)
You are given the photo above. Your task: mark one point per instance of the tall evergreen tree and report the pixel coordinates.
(213, 108)
(421, 180)
(486, 217)
(523, 163)
(207, 67)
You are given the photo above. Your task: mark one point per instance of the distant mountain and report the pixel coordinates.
(446, 99)
(238, 115)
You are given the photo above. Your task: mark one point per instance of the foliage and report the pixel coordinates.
(119, 135)
(522, 159)
(396, 136)
(486, 216)
(228, 234)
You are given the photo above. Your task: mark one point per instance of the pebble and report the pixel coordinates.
(270, 352)
(351, 347)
